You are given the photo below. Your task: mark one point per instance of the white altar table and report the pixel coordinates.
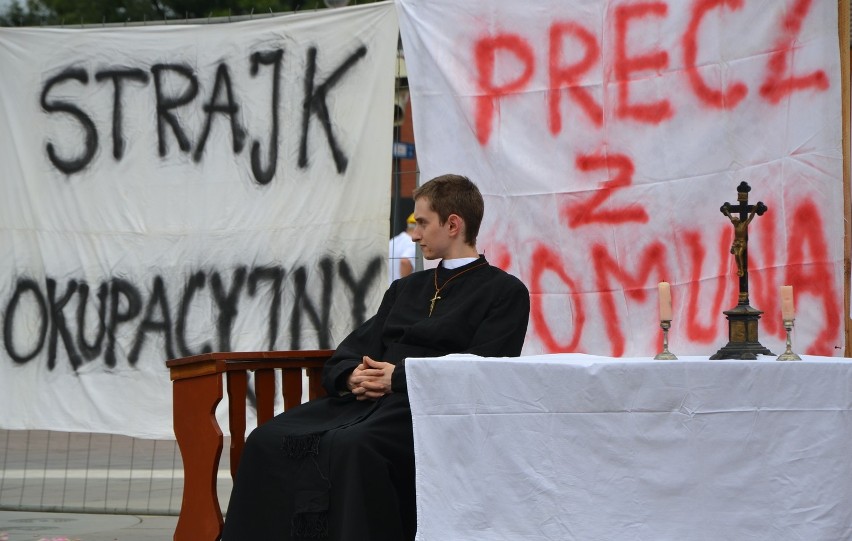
(576, 447)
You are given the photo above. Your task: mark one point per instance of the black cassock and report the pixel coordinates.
(341, 469)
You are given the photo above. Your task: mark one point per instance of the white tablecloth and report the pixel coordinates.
(577, 447)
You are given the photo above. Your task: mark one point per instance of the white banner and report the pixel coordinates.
(607, 135)
(171, 190)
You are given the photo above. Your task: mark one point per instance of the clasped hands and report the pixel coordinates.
(371, 379)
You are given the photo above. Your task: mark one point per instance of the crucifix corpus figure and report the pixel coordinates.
(741, 215)
(740, 234)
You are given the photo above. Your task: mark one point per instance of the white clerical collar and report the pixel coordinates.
(451, 264)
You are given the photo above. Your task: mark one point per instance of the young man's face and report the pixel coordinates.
(434, 239)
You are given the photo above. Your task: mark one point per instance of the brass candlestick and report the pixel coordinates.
(665, 355)
(788, 354)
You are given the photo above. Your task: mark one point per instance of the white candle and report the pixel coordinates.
(665, 301)
(787, 311)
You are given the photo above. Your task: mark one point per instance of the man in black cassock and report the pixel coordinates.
(342, 467)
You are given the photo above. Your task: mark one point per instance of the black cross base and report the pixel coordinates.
(742, 335)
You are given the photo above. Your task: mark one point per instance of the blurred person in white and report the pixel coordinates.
(402, 251)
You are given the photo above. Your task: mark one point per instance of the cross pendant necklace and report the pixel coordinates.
(436, 298)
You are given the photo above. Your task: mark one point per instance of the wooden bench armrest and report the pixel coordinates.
(197, 390)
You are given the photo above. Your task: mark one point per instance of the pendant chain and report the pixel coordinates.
(436, 298)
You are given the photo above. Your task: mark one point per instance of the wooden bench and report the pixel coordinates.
(197, 389)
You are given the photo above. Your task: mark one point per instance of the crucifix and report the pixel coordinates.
(432, 302)
(742, 319)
